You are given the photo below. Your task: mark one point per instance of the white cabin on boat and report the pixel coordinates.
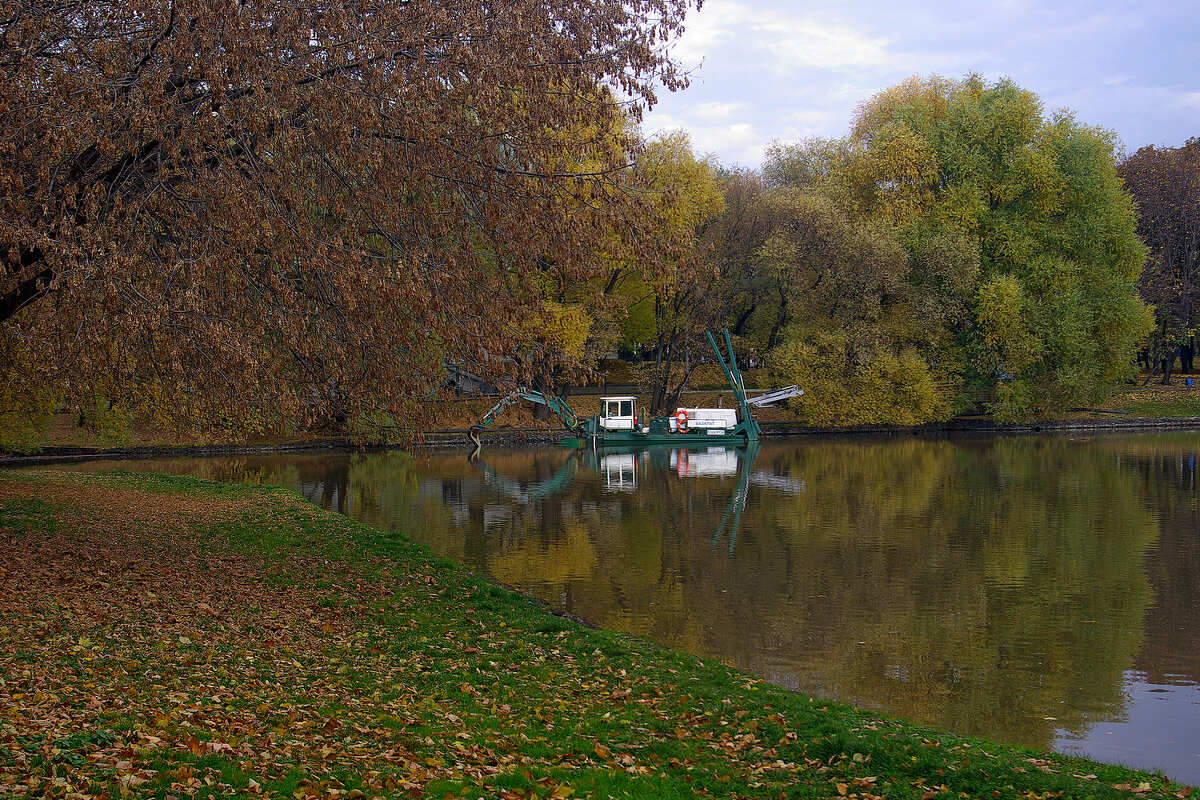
(618, 413)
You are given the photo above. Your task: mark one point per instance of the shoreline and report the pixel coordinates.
(456, 439)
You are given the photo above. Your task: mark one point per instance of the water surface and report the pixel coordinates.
(1036, 590)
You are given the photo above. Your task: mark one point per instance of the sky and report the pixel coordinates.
(787, 70)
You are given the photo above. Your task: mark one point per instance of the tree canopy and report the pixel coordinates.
(681, 280)
(220, 207)
(250, 213)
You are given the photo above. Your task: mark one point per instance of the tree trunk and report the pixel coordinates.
(662, 374)
(542, 413)
(672, 400)
(742, 319)
(780, 319)
(1168, 364)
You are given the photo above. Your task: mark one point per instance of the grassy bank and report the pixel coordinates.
(168, 637)
(1158, 401)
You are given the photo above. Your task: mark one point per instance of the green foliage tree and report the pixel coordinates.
(1023, 254)
(1056, 317)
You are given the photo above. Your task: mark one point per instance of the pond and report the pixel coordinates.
(1035, 590)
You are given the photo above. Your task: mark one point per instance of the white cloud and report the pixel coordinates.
(724, 138)
(705, 30)
(708, 136)
(657, 122)
(808, 122)
(794, 40)
(716, 111)
(800, 42)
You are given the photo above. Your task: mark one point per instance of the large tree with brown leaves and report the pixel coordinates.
(1165, 183)
(223, 206)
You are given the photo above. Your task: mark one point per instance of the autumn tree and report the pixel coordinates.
(223, 207)
(1165, 184)
(574, 323)
(668, 283)
(737, 233)
(852, 317)
(815, 163)
(843, 324)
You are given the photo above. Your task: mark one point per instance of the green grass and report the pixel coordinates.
(1157, 401)
(294, 653)
(27, 513)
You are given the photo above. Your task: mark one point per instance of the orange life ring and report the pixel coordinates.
(681, 419)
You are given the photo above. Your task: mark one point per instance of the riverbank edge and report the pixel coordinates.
(870, 751)
(457, 439)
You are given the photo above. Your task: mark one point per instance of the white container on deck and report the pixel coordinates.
(710, 420)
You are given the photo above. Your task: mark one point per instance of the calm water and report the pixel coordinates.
(1043, 591)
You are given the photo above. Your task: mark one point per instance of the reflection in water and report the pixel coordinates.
(1035, 590)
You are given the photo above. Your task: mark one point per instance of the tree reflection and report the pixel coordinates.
(988, 587)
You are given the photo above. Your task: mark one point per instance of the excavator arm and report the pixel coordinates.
(734, 376)
(556, 404)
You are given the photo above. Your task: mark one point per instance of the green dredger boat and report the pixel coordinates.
(620, 423)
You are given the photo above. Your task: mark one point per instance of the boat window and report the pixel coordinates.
(626, 408)
(612, 408)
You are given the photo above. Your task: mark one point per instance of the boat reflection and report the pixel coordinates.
(709, 463)
(619, 469)
(624, 470)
